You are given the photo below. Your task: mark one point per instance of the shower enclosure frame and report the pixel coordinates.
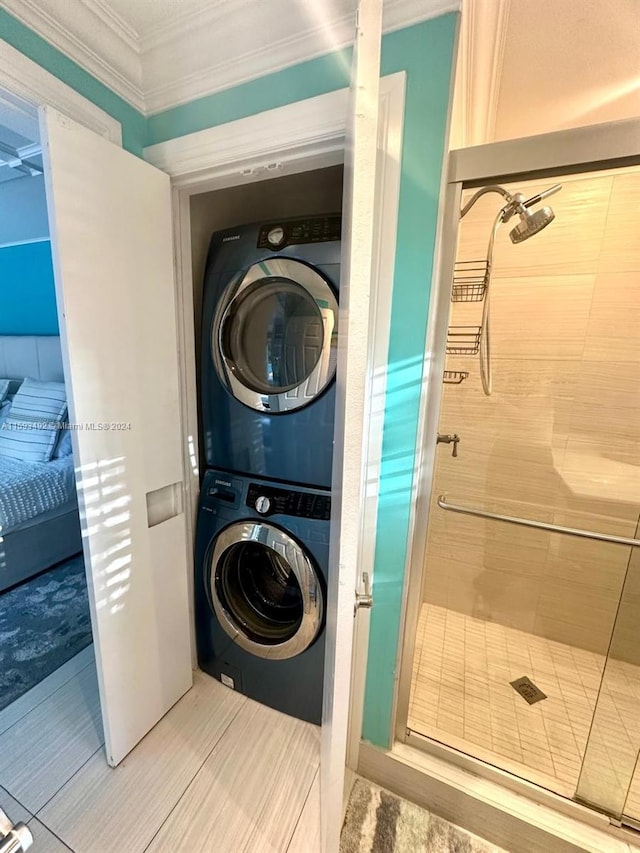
(589, 149)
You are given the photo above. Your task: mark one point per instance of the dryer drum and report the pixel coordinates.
(265, 590)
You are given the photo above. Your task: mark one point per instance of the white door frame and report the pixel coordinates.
(584, 149)
(25, 78)
(306, 135)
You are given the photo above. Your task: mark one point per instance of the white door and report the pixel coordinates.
(110, 222)
(352, 383)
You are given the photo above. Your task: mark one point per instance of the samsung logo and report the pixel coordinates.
(228, 239)
(222, 482)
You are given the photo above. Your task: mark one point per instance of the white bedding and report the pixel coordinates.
(29, 489)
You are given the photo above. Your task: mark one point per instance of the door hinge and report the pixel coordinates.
(364, 599)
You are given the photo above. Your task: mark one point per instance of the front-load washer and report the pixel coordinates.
(269, 349)
(262, 556)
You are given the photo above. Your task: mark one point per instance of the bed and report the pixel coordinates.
(38, 503)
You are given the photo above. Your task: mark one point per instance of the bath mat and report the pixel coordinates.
(378, 821)
(44, 622)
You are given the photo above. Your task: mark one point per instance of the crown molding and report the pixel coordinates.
(281, 40)
(171, 64)
(398, 14)
(114, 21)
(483, 33)
(91, 34)
(282, 34)
(30, 82)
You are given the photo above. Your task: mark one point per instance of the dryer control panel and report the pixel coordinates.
(315, 229)
(268, 500)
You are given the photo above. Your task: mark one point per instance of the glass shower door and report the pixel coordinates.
(527, 635)
(610, 776)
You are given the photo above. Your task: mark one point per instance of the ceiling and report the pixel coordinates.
(568, 64)
(525, 67)
(143, 16)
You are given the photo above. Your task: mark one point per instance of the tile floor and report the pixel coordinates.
(219, 772)
(461, 696)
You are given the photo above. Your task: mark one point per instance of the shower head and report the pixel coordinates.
(531, 223)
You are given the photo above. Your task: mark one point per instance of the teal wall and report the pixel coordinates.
(306, 80)
(27, 290)
(40, 51)
(425, 51)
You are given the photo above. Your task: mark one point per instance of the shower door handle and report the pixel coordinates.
(14, 838)
(363, 599)
(539, 525)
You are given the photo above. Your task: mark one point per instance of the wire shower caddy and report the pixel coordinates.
(470, 281)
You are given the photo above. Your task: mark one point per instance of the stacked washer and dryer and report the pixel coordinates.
(269, 352)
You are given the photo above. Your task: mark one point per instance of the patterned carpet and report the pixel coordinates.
(380, 822)
(44, 622)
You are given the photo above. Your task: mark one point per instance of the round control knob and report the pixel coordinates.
(263, 504)
(275, 236)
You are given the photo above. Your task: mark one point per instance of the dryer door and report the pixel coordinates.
(274, 335)
(265, 590)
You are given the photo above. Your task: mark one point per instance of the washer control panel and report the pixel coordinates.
(268, 500)
(315, 229)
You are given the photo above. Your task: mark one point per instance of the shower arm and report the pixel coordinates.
(515, 201)
(492, 188)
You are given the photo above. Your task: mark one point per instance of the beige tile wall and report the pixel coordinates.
(559, 439)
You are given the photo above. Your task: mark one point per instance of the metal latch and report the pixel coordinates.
(364, 599)
(14, 839)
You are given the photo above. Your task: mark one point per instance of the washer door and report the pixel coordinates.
(274, 335)
(265, 590)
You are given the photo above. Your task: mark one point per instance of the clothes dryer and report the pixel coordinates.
(269, 350)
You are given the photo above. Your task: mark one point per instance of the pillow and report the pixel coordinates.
(63, 446)
(4, 389)
(31, 428)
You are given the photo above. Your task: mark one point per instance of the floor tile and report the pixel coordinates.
(254, 784)
(138, 795)
(44, 841)
(463, 694)
(14, 810)
(306, 837)
(43, 750)
(10, 715)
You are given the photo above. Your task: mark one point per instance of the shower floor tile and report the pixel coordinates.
(461, 696)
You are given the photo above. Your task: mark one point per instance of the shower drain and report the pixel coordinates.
(528, 690)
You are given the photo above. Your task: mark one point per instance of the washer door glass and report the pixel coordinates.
(265, 590)
(274, 336)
